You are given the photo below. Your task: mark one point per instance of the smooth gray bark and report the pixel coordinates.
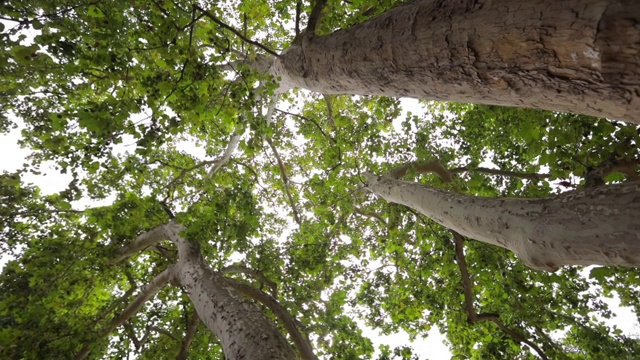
(585, 227)
(575, 56)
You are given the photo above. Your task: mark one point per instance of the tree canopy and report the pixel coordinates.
(158, 108)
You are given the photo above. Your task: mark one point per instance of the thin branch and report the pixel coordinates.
(164, 332)
(192, 328)
(474, 317)
(528, 176)
(150, 329)
(233, 269)
(314, 18)
(371, 215)
(301, 341)
(132, 335)
(146, 292)
(327, 100)
(236, 32)
(285, 181)
(273, 101)
(310, 120)
(421, 167)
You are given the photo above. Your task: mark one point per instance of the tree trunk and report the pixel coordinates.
(576, 56)
(584, 227)
(242, 328)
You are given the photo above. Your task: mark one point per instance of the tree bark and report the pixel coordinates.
(576, 56)
(242, 328)
(583, 227)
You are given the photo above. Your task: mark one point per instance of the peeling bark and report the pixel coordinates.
(583, 227)
(576, 56)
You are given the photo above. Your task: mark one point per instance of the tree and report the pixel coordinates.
(111, 92)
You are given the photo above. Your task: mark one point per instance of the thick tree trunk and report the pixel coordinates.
(242, 328)
(576, 56)
(585, 227)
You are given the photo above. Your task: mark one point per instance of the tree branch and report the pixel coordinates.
(528, 176)
(298, 11)
(301, 341)
(143, 241)
(148, 331)
(310, 120)
(314, 18)
(254, 274)
(629, 168)
(327, 100)
(285, 181)
(146, 293)
(234, 31)
(371, 215)
(132, 336)
(472, 316)
(231, 147)
(192, 328)
(421, 167)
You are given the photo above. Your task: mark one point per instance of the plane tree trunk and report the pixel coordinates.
(241, 327)
(576, 56)
(583, 227)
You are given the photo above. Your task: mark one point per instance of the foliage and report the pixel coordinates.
(129, 98)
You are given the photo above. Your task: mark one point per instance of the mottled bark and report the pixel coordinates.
(577, 56)
(583, 227)
(241, 327)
